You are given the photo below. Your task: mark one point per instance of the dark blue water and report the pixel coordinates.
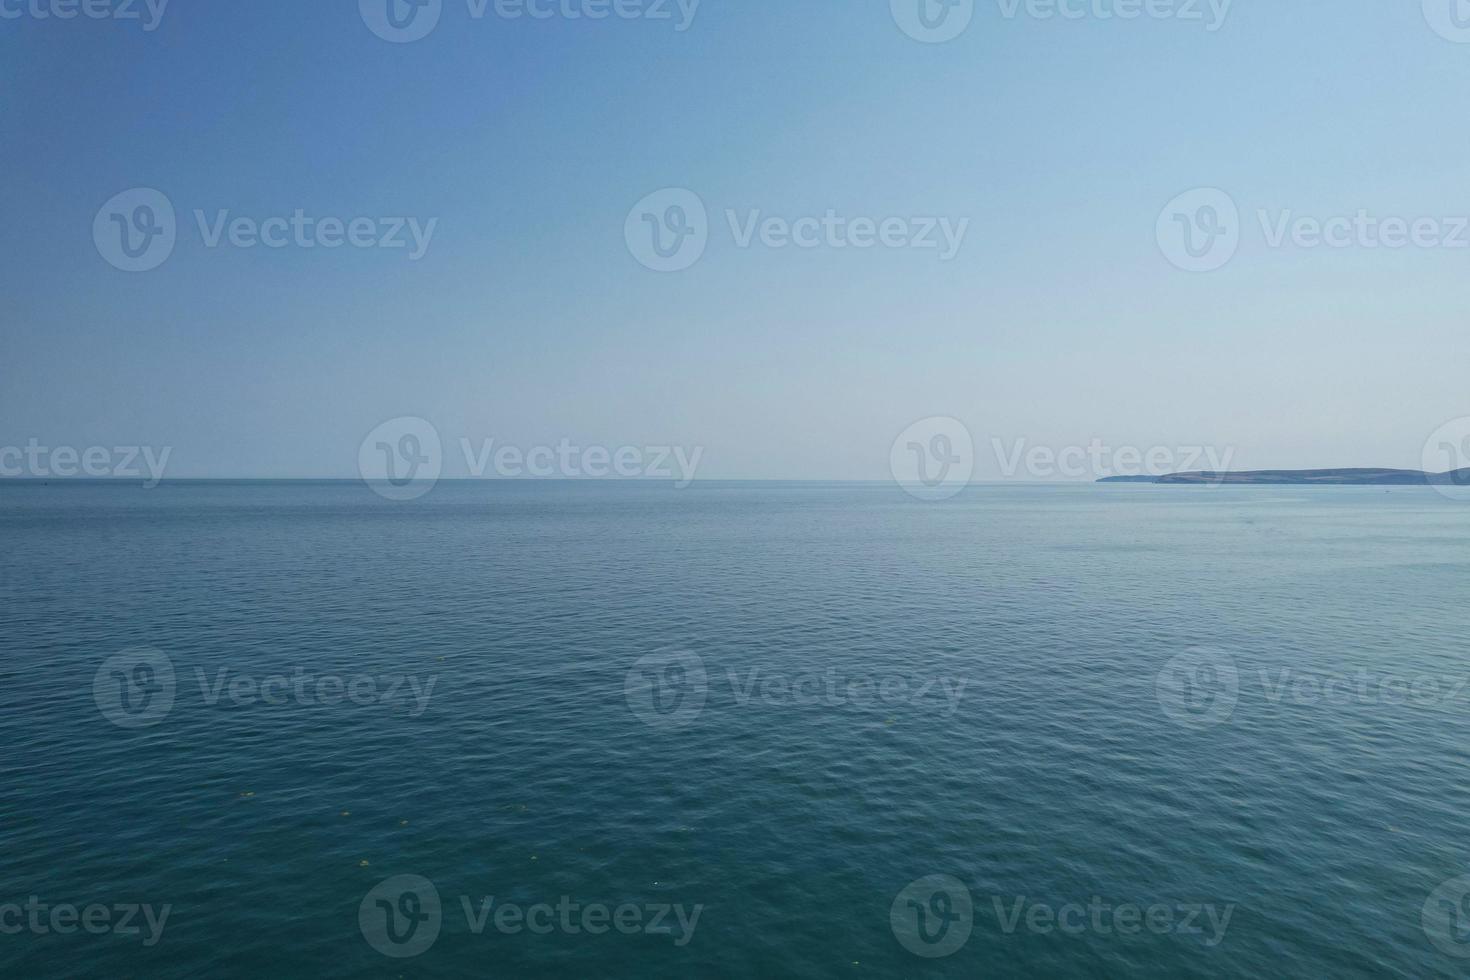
(1143, 731)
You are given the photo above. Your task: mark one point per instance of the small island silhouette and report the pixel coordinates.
(1340, 477)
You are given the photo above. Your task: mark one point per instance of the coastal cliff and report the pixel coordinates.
(1339, 477)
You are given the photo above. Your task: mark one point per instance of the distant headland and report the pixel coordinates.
(1323, 478)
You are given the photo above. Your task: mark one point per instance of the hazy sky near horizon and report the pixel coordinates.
(1055, 143)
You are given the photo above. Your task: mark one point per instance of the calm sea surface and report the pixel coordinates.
(738, 730)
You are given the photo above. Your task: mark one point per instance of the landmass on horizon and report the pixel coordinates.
(1366, 477)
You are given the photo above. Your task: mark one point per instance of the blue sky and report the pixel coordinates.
(529, 320)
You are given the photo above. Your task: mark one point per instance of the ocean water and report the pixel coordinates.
(737, 730)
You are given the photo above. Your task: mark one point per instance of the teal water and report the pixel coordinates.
(780, 705)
